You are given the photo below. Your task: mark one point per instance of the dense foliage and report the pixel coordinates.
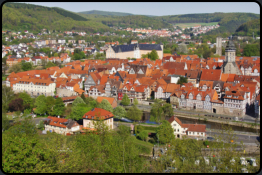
(228, 22)
(134, 21)
(248, 28)
(18, 16)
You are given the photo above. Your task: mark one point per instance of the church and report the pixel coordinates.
(229, 65)
(133, 50)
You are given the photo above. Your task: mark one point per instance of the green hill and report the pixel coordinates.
(228, 22)
(21, 16)
(248, 28)
(134, 21)
(97, 12)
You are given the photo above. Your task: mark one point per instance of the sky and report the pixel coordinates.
(156, 8)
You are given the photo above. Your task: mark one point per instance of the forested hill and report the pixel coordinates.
(97, 12)
(21, 16)
(228, 22)
(134, 21)
(248, 28)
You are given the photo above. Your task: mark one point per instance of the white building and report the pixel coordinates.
(180, 129)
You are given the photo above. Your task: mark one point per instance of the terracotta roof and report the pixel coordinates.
(109, 99)
(98, 113)
(176, 119)
(210, 74)
(171, 87)
(196, 128)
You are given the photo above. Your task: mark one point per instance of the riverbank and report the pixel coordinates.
(232, 123)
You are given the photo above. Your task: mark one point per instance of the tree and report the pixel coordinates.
(50, 104)
(182, 48)
(91, 102)
(251, 50)
(59, 107)
(16, 105)
(16, 68)
(157, 113)
(41, 125)
(119, 112)
(125, 101)
(182, 80)
(40, 104)
(153, 55)
(43, 63)
(5, 122)
(26, 65)
(143, 135)
(27, 100)
(55, 54)
(7, 96)
(83, 96)
(77, 101)
(168, 111)
(50, 64)
(105, 105)
(135, 101)
(78, 111)
(134, 113)
(165, 132)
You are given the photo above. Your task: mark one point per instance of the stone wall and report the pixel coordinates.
(65, 92)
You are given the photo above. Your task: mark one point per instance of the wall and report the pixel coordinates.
(65, 92)
(90, 123)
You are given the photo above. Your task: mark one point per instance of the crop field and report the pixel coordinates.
(184, 25)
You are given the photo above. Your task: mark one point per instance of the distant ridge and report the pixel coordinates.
(98, 12)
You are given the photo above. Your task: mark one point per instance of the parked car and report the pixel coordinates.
(252, 162)
(211, 138)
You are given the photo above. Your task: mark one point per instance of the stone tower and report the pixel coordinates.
(230, 66)
(219, 46)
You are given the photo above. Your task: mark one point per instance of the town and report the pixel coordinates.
(154, 97)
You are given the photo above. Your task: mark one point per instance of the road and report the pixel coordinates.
(239, 137)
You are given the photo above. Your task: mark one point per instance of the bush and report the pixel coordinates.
(206, 143)
(41, 125)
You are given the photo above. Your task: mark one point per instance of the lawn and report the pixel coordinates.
(184, 25)
(145, 147)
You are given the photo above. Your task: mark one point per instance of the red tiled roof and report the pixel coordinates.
(98, 113)
(211, 75)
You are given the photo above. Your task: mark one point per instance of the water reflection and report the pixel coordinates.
(209, 124)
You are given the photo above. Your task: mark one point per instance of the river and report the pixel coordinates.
(209, 124)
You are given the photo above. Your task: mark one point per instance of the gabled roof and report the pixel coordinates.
(210, 75)
(171, 87)
(98, 113)
(109, 99)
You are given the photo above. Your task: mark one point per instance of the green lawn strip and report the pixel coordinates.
(145, 147)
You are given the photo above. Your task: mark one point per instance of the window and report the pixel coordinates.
(175, 130)
(174, 124)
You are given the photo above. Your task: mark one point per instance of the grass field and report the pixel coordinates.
(183, 25)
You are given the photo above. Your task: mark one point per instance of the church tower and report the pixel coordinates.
(230, 66)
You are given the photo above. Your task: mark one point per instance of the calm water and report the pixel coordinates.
(209, 124)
